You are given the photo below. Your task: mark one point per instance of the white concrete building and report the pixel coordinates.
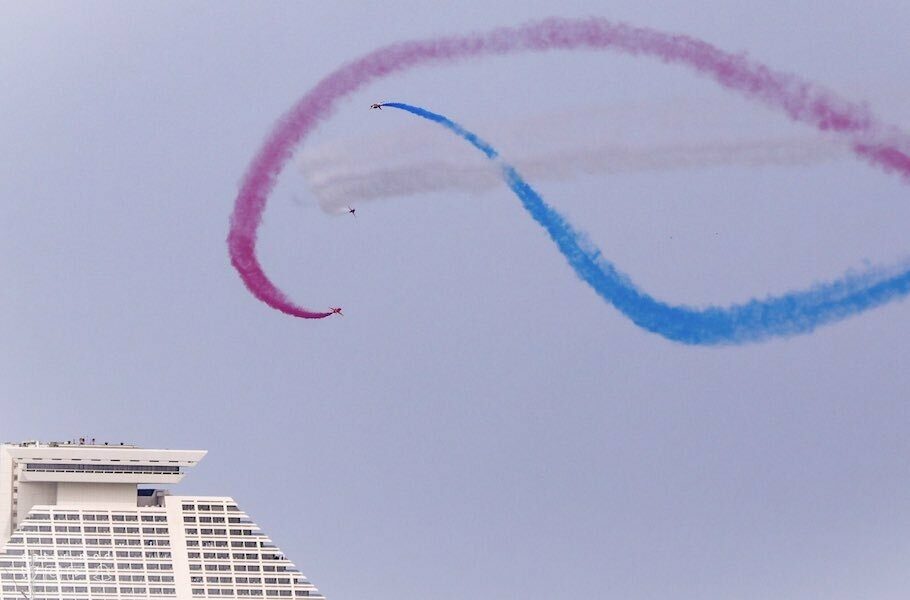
(74, 526)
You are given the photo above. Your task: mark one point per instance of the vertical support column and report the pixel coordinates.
(175, 527)
(6, 496)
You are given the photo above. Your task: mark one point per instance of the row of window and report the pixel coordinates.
(64, 541)
(93, 529)
(83, 577)
(96, 468)
(225, 555)
(52, 565)
(43, 516)
(81, 589)
(222, 544)
(211, 507)
(90, 529)
(207, 519)
(238, 567)
(156, 518)
(218, 592)
(71, 578)
(243, 580)
(265, 568)
(207, 531)
(39, 555)
(152, 566)
(102, 566)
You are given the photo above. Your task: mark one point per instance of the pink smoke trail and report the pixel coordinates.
(800, 100)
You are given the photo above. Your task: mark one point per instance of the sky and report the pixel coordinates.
(479, 422)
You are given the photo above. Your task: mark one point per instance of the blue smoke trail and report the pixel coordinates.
(792, 313)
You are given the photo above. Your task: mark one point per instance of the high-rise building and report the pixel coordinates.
(74, 525)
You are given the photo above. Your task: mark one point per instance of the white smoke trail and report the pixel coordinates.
(552, 147)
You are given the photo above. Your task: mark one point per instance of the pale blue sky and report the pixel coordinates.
(479, 422)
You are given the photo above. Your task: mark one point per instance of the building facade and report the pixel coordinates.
(74, 525)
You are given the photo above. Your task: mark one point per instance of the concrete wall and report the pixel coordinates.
(114, 495)
(32, 494)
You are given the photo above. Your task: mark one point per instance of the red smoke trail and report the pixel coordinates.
(800, 100)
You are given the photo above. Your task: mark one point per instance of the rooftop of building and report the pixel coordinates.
(88, 450)
(82, 441)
